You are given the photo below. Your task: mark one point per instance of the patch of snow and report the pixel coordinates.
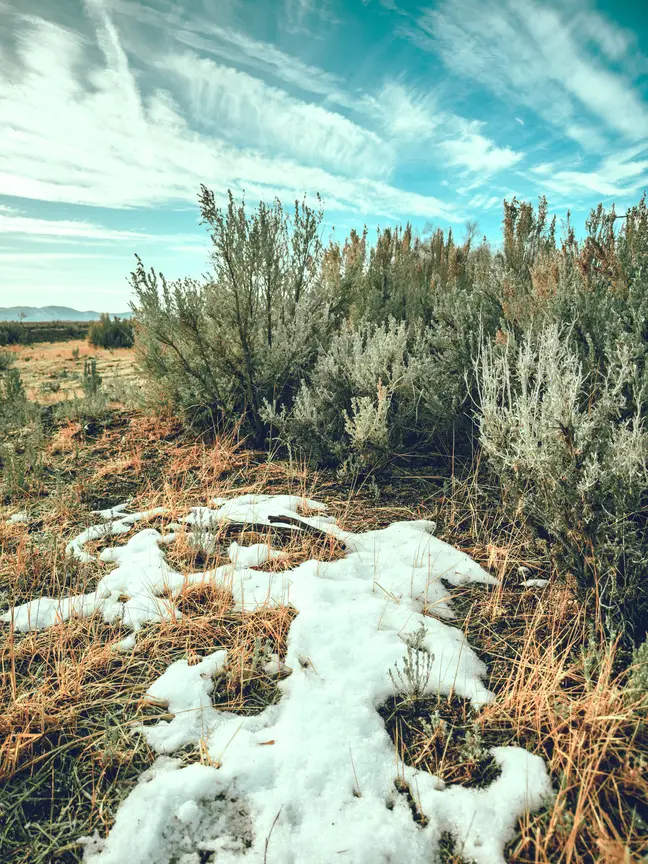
(17, 518)
(119, 525)
(172, 812)
(314, 773)
(125, 644)
(111, 512)
(535, 583)
(251, 556)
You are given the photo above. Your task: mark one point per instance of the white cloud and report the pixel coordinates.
(535, 55)
(484, 202)
(477, 153)
(36, 258)
(409, 116)
(298, 12)
(25, 225)
(234, 46)
(103, 143)
(618, 175)
(244, 109)
(405, 114)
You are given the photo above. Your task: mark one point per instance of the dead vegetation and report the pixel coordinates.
(71, 701)
(53, 371)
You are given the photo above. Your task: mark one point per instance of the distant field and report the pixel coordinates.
(48, 331)
(51, 372)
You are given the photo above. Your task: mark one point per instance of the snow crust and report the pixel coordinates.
(17, 518)
(535, 583)
(312, 778)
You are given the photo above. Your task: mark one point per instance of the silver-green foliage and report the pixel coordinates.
(572, 450)
(412, 681)
(219, 346)
(638, 679)
(374, 389)
(21, 435)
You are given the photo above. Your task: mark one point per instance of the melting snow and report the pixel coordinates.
(16, 518)
(311, 778)
(535, 583)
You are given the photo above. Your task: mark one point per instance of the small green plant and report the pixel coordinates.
(12, 333)
(94, 403)
(14, 406)
(49, 387)
(472, 748)
(412, 681)
(6, 360)
(21, 437)
(75, 353)
(638, 680)
(435, 726)
(91, 378)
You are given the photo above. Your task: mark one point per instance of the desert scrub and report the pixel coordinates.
(221, 346)
(371, 392)
(413, 679)
(21, 437)
(573, 460)
(111, 333)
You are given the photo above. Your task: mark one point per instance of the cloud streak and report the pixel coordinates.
(107, 144)
(541, 57)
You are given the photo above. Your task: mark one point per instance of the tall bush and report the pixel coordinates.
(111, 333)
(12, 333)
(250, 332)
(573, 455)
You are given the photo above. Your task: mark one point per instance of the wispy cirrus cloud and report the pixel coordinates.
(13, 224)
(543, 57)
(403, 112)
(413, 116)
(233, 46)
(108, 144)
(618, 175)
(243, 108)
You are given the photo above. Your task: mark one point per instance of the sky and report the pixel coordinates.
(113, 112)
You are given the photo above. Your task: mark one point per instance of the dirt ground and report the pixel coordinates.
(53, 371)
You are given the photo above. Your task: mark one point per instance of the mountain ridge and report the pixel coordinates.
(35, 314)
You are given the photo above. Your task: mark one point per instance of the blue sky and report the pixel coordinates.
(112, 112)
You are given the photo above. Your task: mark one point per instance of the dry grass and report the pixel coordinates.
(53, 371)
(561, 692)
(69, 700)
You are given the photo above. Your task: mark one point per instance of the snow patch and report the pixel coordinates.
(314, 774)
(535, 583)
(17, 518)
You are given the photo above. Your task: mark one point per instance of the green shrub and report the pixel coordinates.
(93, 405)
(362, 393)
(21, 437)
(574, 458)
(111, 333)
(355, 353)
(220, 347)
(12, 333)
(7, 359)
(91, 378)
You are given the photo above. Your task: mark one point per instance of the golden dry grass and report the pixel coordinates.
(69, 700)
(45, 366)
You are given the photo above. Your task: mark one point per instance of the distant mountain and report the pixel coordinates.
(32, 314)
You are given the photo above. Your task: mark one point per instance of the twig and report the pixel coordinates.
(267, 842)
